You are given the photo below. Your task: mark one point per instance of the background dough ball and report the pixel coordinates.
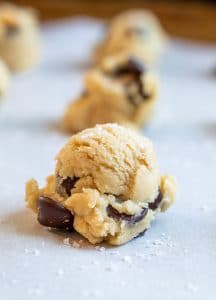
(4, 78)
(121, 90)
(135, 32)
(19, 37)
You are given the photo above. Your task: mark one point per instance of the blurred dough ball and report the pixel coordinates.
(19, 36)
(4, 79)
(134, 32)
(120, 90)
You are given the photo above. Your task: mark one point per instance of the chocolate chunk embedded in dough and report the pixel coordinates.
(132, 219)
(141, 233)
(54, 214)
(135, 66)
(12, 29)
(65, 185)
(132, 67)
(154, 205)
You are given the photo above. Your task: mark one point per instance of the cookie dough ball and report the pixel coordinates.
(4, 78)
(107, 186)
(119, 91)
(19, 37)
(135, 32)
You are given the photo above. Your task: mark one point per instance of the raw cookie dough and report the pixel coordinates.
(135, 32)
(4, 78)
(120, 91)
(106, 186)
(19, 36)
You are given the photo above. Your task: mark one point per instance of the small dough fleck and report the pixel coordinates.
(106, 186)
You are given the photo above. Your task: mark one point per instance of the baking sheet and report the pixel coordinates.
(177, 256)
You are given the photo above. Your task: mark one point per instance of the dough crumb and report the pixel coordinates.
(127, 259)
(112, 268)
(66, 241)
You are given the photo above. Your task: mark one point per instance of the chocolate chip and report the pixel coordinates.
(65, 185)
(132, 219)
(84, 93)
(134, 98)
(141, 233)
(54, 214)
(68, 184)
(12, 29)
(132, 67)
(138, 70)
(154, 205)
(135, 66)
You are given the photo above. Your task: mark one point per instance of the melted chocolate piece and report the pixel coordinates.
(132, 219)
(154, 205)
(65, 186)
(54, 214)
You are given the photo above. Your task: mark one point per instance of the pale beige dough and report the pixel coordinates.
(136, 32)
(19, 36)
(108, 168)
(113, 96)
(4, 79)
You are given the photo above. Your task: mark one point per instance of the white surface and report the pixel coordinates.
(177, 256)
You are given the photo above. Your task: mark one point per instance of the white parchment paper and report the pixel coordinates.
(176, 259)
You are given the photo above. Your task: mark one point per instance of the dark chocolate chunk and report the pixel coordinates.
(135, 68)
(141, 91)
(84, 93)
(135, 99)
(65, 185)
(132, 219)
(68, 184)
(141, 233)
(138, 69)
(12, 29)
(54, 214)
(154, 205)
(132, 67)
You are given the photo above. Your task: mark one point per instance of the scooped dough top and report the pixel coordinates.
(112, 159)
